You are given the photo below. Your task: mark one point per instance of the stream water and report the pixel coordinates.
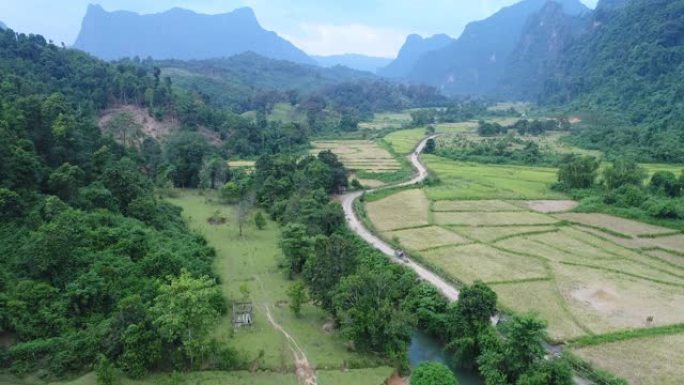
(425, 348)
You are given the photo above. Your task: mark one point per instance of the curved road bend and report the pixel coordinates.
(446, 288)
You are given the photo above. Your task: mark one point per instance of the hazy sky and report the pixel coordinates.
(320, 27)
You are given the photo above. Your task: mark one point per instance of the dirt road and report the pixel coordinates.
(347, 200)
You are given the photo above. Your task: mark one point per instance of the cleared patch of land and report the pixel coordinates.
(252, 261)
(491, 218)
(492, 234)
(547, 206)
(478, 205)
(668, 257)
(386, 120)
(405, 141)
(642, 361)
(360, 155)
(472, 262)
(465, 180)
(241, 164)
(617, 225)
(399, 211)
(542, 298)
(427, 237)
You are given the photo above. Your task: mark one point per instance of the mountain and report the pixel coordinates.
(629, 62)
(353, 61)
(474, 63)
(414, 47)
(180, 34)
(2, 25)
(545, 37)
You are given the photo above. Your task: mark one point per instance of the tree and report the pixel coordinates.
(186, 151)
(65, 181)
(468, 319)
(296, 245)
(105, 371)
(214, 173)
(667, 183)
(623, 172)
(516, 352)
(185, 311)
(577, 171)
(555, 372)
(297, 295)
(433, 373)
(243, 210)
(332, 258)
(430, 146)
(259, 220)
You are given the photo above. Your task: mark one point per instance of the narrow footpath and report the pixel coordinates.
(356, 225)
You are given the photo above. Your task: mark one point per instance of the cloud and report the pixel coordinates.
(332, 39)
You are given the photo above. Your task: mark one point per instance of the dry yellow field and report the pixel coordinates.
(642, 361)
(493, 234)
(485, 205)
(359, 155)
(481, 262)
(427, 238)
(618, 225)
(542, 298)
(492, 218)
(399, 211)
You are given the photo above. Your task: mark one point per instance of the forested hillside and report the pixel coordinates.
(88, 254)
(475, 62)
(630, 67)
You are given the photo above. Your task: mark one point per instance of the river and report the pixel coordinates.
(425, 348)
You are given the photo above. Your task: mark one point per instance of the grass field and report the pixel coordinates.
(387, 120)
(472, 181)
(399, 211)
(359, 155)
(581, 282)
(405, 141)
(642, 361)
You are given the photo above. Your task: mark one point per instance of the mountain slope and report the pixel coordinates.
(414, 47)
(180, 34)
(2, 25)
(631, 61)
(353, 61)
(474, 63)
(545, 37)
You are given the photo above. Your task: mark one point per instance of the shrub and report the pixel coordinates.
(433, 373)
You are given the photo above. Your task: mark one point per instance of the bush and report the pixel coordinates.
(665, 208)
(433, 373)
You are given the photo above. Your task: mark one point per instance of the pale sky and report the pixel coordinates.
(319, 27)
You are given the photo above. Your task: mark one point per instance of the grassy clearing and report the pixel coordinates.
(541, 298)
(405, 141)
(643, 361)
(246, 164)
(483, 205)
(494, 234)
(625, 227)
(253, 261)
(426, 238)
(491, 218)
(383, 120)
(473, 181)
(360, 155)
(472, 262)
(606, 301)
(402, 210)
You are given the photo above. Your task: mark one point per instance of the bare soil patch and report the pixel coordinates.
(551, 206)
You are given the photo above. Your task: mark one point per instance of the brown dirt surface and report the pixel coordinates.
(549, 206)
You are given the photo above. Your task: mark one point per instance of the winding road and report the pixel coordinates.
(347, 200)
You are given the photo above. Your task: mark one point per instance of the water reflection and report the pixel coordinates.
(425, 348)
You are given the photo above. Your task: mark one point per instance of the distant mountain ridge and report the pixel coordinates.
(2, 25)
(414, 47)
(180, 34)
(474, 63)
(353, 61)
